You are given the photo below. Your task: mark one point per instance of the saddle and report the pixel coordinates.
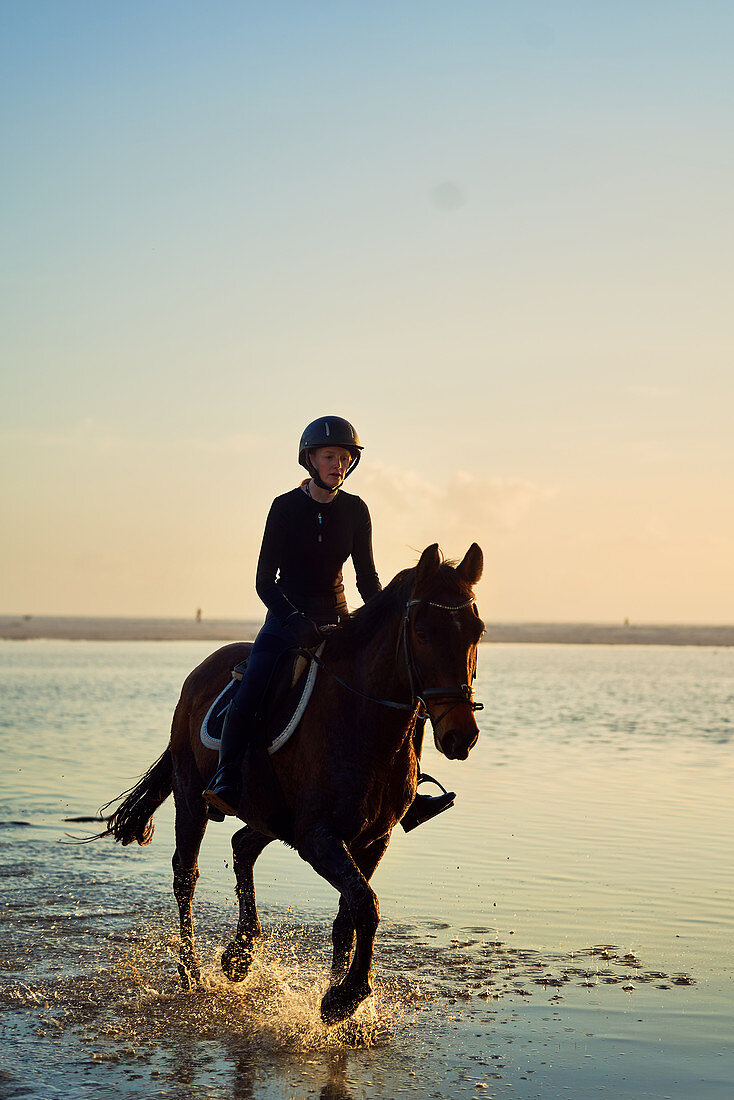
(294, 681)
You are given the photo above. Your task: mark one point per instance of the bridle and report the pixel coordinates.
(462, 694)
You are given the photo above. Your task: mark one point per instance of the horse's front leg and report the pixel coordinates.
(190, 828)
(342, 932)
(342, 941)
(237, 956)
(329, 857)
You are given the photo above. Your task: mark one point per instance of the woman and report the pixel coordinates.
(309, 534)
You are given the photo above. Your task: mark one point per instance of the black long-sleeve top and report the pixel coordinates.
(304, 548)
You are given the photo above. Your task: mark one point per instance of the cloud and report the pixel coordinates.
(455, 511)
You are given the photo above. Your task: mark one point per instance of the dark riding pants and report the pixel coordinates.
(270, 644)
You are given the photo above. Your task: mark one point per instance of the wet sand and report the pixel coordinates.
(106, 1011)
(91, 629)
(79, 628)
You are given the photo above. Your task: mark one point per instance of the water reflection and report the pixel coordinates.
(244, 1077)
(336, 1087)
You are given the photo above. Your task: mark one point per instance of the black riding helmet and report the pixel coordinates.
(329, 431)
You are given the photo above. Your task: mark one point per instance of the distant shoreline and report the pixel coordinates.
(72, 628)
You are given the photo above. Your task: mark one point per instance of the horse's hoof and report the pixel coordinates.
(339, 1003)
(236, 961)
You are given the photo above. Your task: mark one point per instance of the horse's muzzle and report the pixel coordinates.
(456, 744)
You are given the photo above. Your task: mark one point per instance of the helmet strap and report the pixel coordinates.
(317, 480)
(327, 488)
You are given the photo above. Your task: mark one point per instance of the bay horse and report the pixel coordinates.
(345, 778)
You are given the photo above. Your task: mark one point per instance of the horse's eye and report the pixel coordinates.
(421, 634)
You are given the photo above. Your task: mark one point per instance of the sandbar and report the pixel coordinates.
(97, 629)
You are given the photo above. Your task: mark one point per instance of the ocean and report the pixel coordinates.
(564, 930)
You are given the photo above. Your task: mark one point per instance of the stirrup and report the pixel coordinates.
(220, 796)
(424, 807)
(220, 805)
(424, 777)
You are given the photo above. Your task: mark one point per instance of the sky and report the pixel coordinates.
(496, 237)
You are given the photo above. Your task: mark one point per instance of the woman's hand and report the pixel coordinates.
(302, 631)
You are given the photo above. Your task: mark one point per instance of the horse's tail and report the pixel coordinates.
(133, 818)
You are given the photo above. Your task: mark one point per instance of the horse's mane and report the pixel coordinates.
(361, 625)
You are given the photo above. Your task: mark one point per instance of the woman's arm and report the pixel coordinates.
(368, 583)
(268, 564)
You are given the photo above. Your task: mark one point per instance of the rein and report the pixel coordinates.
(461, 694)
(414, 709)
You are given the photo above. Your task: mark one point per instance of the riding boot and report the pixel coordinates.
(223, 793)
(425, 806)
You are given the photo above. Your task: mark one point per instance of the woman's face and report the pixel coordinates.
(331, 464)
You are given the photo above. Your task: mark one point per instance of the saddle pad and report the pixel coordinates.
(211, 727)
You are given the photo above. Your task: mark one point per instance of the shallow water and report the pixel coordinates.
(564, 930)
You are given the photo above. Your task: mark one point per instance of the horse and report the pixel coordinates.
(335, 791)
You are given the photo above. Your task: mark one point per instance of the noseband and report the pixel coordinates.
(461, 694)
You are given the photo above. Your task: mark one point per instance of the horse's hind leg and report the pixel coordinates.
(342, 932)
(237, 956)
(190, 827)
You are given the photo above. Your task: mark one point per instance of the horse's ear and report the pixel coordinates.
(427, 568)
(470, 569)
